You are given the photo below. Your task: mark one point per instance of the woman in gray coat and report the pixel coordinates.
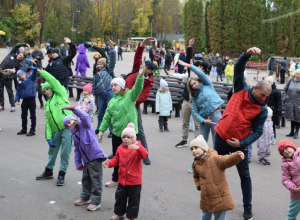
(292, 103)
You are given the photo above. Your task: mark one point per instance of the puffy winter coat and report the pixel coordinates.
(210, 179)
(59, 99)
(26, 88)
(26, 63)
(182, 58)
(229, 70)
(39, 54)
(275, 103)
(129, 162)
(243, 113)
(121, 110)
(291, 94)
(86, 143)
(103, 55)
(131, 77)
(58, 67)
(205, 100)
(291, 173)
(163, 103)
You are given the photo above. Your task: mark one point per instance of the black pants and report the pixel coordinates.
(40, 96)
(282, 76)
(133, 194)
(223, 148)
(274, 129)
(28, 104)
(167, 68)
(16, 83)
(116, 142)
(163, 121)
(8, 86)
(120, 55)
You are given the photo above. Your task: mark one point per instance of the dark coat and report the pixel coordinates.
(292, 100)
(219, 66)
(63, 52)
(10, 61)
(103, 55)
(168, 59)
(182, 58)
(151, 54)
(271, 64)
(39, 54)
(275, 103)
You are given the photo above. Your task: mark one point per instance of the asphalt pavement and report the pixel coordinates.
(168, 190)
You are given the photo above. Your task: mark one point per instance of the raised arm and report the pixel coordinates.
(138, 85)
(98, 49)
(16, 48)
(137, 62)
(59, 89)
(204, 79)
(84, 117)
(72, 53)
(240, 66)
(226, 161)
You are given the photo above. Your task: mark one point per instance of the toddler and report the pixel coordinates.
(265, 141)
(88, 157)
(128, 157)
(291, 175)
(210, 179)
(86, 101)
(163, 105)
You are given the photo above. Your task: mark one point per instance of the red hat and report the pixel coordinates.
(88, 87)
(181, 51)
(285, 143)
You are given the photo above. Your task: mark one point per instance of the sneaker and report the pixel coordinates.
(13, 109)
(147, 161)
(116, 217)
(181, 144)
(1, 108)
(111, 183)
(110, 135)
(273, 142)
(80, 202)
(248, 213)
(31, 133)
(262, 162)
(23, 131)
(266, 162)
(93, 207)
(190, 170)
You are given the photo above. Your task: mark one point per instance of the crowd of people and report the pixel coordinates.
(252, 114)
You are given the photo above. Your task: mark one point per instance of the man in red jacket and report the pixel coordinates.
(148, 84)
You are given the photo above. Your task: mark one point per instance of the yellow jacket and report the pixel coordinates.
(229, 70)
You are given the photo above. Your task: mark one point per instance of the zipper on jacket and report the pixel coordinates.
(52, 116)
(81, 148)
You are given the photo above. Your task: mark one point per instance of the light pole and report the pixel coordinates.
(73, 19)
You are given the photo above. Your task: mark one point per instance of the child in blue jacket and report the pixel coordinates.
(26, 90)
(163, 105)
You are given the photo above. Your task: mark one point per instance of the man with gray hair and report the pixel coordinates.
(242, 123)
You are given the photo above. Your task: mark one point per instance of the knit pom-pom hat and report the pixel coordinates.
(119, 81)
(88, 87)
(285, 143)
(68, 118)
(130, 131)
(199, 142)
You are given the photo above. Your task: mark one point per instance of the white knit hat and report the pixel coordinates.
(270, 79)
(119, 81)
(130, 131)
(199, 142)
(270, 112)
(163, 83)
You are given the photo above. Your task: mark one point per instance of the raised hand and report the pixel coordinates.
(191, 42)
(147, 40)
(253, 51)
(142, 70)
(67, 40)
(111, 44)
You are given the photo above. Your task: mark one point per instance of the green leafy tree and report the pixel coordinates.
(228, 27)
(207, 38)
(214, 14)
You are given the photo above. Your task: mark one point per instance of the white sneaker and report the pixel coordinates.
(13, 109)
(273, 142)
(111, 183)
(93, 207)
(80, 202)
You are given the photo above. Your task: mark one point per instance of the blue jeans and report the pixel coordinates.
(219, 75)
(249, 151)
(218, 215)
(205, 128)
(223, 148)
(103, 101)
(294, 209)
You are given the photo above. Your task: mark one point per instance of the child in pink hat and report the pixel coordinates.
(86, 101)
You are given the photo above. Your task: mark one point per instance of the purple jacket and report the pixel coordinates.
(86, 143)
(291, 174)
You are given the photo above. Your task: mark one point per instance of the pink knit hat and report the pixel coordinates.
(130, 131)
(88, 87)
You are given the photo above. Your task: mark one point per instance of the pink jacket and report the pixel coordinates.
(291, 174)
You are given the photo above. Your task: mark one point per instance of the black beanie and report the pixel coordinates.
(55, 50)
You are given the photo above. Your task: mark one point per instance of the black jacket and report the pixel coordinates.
(185, 93)
(120, 51)
(151, 54)
(275, 103)
(63, 52)
(8, 43)
(168, 59)
(58, 67)
(39, 54)
(219, 66)
(103, 55)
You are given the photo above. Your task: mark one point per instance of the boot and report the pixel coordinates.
(166, 128)
(31, 132)
(23, 131)
(297, 130)
(47, 174)
(291, 134)
(61, 178)
(161, 128)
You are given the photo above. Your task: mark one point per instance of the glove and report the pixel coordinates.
(87, 45)
(71, 108)
(50, 143)
(142, 70)
(81, 168)
(100, 135)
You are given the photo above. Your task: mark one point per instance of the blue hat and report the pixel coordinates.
(48, 51)
(151, 65)
(55, 50)
(68, 118)
(20, 71)
(198, 56)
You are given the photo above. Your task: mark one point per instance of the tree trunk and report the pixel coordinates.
(41, 34)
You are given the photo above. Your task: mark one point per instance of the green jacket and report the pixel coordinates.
(121, 110)
(54, 114)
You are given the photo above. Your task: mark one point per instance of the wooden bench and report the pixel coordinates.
(78, 82)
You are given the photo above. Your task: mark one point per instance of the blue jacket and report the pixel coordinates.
(26, 63)
(182, 58)
(26, 88)
(86, 146)
(207, 100)
(163, 103)
(101, 82)
(282, 64)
